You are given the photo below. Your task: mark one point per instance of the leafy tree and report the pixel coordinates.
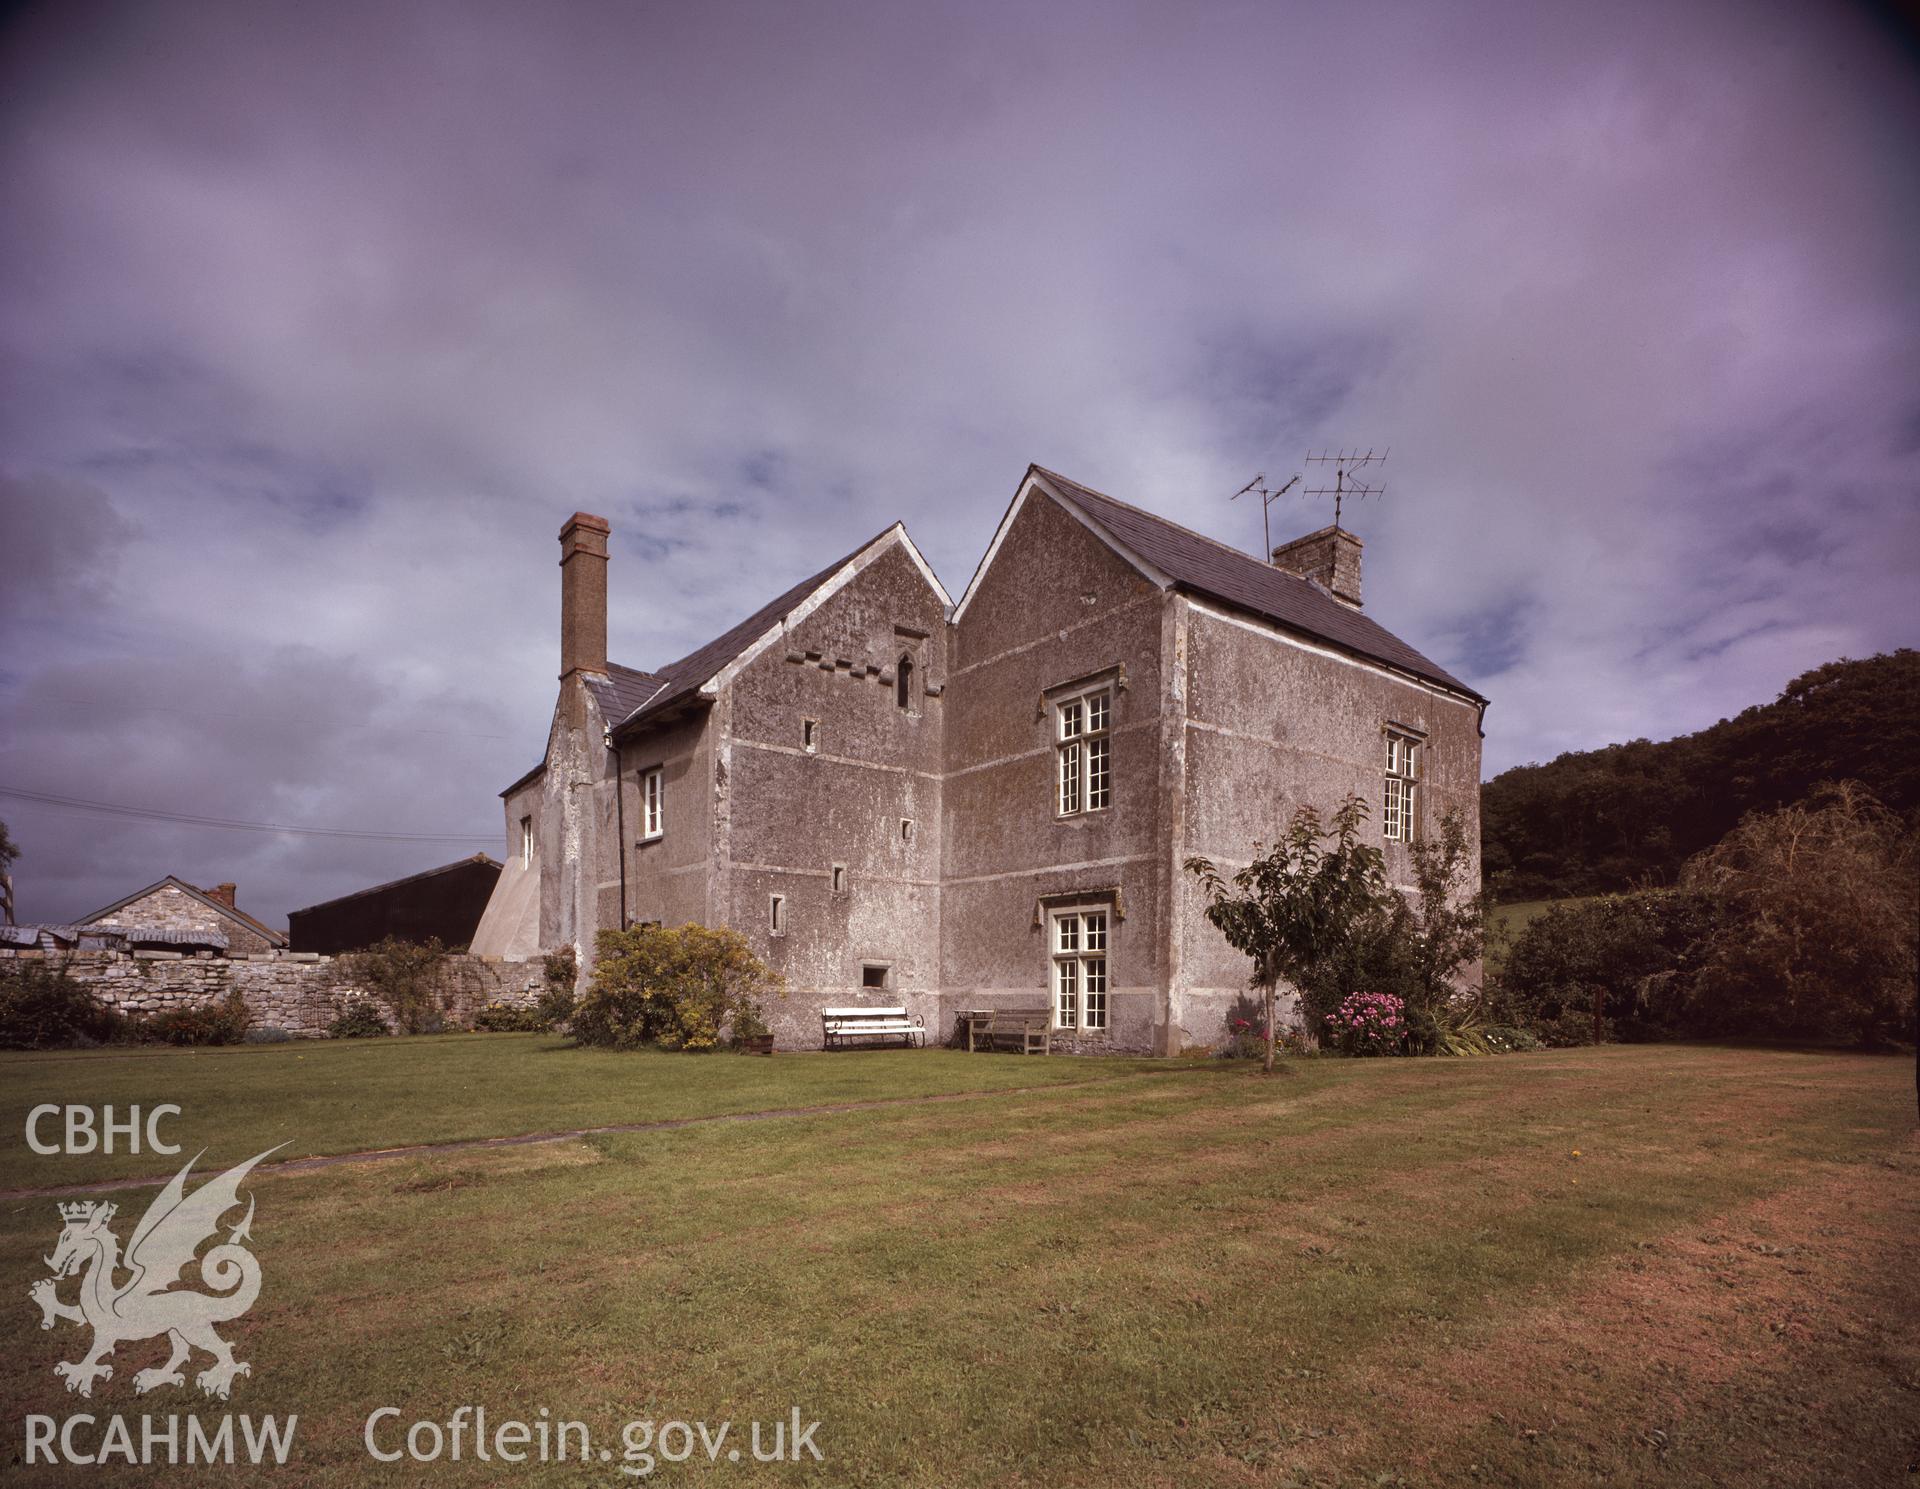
(1447, 932)
(1819, 910)
(43, 1007)
(1631, 959)
(680, 988)
(1299, 909)
(1630, 815)
(9, 851)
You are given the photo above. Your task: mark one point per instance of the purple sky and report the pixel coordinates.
(317, 320)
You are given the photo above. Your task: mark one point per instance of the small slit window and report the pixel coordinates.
(653, 802)
(906, 829)
(839, 878)
(903, 684)
(526, 842)
(810, 735)
(777, 914)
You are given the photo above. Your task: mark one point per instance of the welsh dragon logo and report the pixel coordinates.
(148, 1303)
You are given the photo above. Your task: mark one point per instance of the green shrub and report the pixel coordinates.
(508, 1018)
(1639, 953)
(679, 988)
(358, 1019)
(222, 1022)
(748, 1023)
(1508, 1039)
(559, 975)
(268, 1034)
(42, 1007)
(407, 976)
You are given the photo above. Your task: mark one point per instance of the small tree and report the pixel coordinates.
(1298, 908)
(1430, 941)
(1819, 907)
(9, 851)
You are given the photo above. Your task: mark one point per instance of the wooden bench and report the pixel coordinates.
(840, 1028)
(1028, 1030)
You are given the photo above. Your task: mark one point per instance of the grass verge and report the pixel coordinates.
(1581, 1266)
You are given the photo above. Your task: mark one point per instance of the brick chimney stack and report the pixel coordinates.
(1330, 557)
(223, 893)
(583, 594)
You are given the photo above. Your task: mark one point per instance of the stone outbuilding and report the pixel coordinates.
(190, 917)
(901, 799)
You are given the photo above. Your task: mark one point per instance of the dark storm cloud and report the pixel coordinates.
(318, 320)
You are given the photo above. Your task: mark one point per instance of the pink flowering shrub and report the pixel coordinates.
(1369, 1024)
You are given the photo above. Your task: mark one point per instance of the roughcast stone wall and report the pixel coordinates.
(296, 991)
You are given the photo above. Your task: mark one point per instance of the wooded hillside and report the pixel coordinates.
(1598, 820)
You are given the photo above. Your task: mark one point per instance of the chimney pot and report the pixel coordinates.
(1330, 557)
(583, 594)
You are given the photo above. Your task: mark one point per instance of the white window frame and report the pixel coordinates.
(653, 804)
(1400, 788)
(1083, 751)
(526, 842)
(1079, 959)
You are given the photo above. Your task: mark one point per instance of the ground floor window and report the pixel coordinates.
(1079, 940)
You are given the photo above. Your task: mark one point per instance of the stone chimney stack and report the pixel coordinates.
(1330, 557)
(583, 594)
(223, 893)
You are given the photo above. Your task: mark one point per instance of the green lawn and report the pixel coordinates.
(1683, 1265)
(341, 1096)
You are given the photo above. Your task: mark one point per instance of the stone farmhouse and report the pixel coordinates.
(899, 799)
(176, 913)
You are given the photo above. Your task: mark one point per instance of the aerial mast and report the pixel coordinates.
(1344, 485)
(1258, 486)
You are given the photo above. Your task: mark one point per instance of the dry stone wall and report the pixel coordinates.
(299, 992)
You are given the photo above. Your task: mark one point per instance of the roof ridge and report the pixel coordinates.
(1224, 547)
(1192, 561)
(812, 582)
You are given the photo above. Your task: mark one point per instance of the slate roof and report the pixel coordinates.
(444, 868)
(680, 680)
(1205, 566)
(625, 690)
